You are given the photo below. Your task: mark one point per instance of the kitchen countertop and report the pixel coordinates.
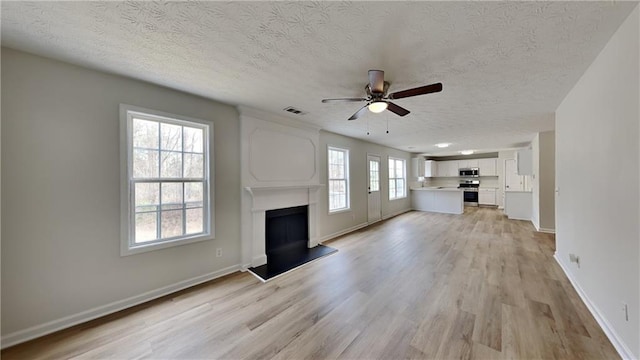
(518, 191)
(436, 188)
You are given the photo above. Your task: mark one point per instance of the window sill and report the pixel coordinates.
(127, 250)
(335, 212)
(398, 198)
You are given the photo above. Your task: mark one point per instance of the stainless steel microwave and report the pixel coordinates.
(469, 172)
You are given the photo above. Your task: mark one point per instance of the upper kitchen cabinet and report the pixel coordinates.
(448, 168)
(417, 167)
(430, 168)
(466, 164)
(488, 167)
(524, 161)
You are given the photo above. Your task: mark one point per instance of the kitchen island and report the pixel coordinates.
(447, 200)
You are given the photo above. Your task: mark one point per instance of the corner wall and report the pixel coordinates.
(547, 181)
(543, 181)
(598, 203)
(61, 260)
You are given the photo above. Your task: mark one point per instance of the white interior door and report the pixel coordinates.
(512, 181)
(373, 177)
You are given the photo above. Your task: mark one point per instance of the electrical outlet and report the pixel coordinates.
(575, 258)
(625, 311)
(218, 252)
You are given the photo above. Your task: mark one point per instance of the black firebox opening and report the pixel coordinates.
(286, 229)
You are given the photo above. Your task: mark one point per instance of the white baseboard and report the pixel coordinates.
(544, 230)
(259, 260)
(359, 226)
(341, 232)
(618, 343)
(68, 321)
(389, 216)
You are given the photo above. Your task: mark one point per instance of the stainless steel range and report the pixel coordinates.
(470, 191)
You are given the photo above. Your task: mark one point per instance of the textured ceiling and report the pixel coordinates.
(505, 66)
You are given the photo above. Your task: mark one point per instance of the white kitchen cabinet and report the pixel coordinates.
(448, 168)
(466, 164)
(487, 196)
(488, 167)
(524, 161)
(430, 168)
(417, 167)
(448, 201)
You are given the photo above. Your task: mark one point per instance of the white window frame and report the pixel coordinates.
(346, 180)
(127, 212)
(404, 178)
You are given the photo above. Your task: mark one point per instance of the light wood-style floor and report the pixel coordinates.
(421, 285)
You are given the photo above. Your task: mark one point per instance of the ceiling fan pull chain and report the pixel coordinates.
(367, 126)
(387, 125)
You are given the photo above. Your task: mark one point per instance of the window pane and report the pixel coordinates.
(194, 221)
(193, 139)
(145, 133)
(171, 223)
(337, 194)
(400, 187)
(193, 165)
(392, 188)
(399, 170)
(337, 164)
(193, 192)
(392, 169)
(170, 137)
(146, 227)
(145, 164)
(171, 196)
(146, 196)
(171, 164)
(374, 180)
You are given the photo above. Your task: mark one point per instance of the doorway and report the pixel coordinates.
(373, 199)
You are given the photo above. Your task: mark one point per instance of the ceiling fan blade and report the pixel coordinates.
(376, 81)
(359, 113)
(344, 100)
(398, 110)
(422, 90)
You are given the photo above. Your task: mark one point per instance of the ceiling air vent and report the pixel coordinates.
(293, 110)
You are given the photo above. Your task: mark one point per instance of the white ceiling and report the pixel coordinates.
(505, 67)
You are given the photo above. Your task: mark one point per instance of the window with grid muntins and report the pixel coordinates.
(374, 176)
(397, 178)
(167, 180)
(338, 160)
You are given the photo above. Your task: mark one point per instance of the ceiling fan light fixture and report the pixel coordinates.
(443, 145)
(378, 106)
(466, 152)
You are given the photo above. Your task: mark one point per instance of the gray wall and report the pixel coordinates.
(547, 178)
(60, 168)
(543, 181)
(598, 204)
(331, 224)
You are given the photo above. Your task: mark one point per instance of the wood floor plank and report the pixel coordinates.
(417, 286)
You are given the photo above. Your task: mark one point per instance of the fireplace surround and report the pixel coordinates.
(279, 170)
